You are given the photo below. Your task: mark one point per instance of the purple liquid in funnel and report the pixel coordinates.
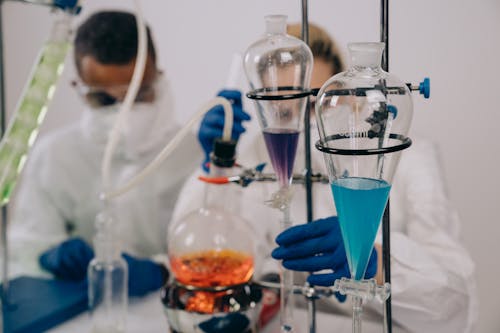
(282, 146)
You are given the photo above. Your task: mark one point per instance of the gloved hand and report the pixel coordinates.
(316, 246)
(213, 123)
(144, 275)
(69, 260)
(233, 322)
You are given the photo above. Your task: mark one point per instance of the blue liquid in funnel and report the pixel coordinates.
(282, 146)
(360, 204)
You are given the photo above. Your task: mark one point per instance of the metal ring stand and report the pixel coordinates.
(279, 93)
(273, 94)
(322, 145)
(289, 92)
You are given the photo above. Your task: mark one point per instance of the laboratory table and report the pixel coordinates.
(146, 316)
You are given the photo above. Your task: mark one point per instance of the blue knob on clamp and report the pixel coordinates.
(425, 87)
(393, 110)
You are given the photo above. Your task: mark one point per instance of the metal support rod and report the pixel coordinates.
(384, 33)
(3, 119)
(386, 229)
(386, 259)
(307, 126)
(311, 303)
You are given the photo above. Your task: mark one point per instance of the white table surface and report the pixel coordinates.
(146, 315)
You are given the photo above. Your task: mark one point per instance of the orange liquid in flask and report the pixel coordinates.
(213, 268)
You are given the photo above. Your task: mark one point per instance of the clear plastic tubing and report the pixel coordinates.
(174, 143)
(134, 86)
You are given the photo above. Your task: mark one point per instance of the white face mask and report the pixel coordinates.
(147, 127)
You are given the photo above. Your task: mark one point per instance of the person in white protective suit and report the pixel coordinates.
(433, 283)
(53, 221)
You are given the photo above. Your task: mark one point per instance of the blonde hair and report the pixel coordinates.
(321, 44)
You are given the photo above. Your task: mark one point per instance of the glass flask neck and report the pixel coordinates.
(276, 24)
(106, 248)
(366, 55)
(221, 196)
(222, 161)
(219, 171)
(105, 243)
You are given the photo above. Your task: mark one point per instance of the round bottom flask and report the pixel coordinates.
(212, 265)
(211, 252)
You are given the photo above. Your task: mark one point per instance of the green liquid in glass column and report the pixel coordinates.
(30, 112)
(360, 204)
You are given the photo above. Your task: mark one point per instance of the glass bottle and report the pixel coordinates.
(108, 280)
(32, 107)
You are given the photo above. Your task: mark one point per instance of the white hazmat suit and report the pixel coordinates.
(59, 194)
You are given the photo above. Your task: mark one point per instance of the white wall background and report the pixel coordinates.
(455, 43)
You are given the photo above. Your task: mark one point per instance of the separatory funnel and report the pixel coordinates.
(363, 117)
(278, 68)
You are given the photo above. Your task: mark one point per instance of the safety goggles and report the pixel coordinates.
(107, 96)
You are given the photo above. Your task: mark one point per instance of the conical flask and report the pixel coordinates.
(278, 68)
(363, 117)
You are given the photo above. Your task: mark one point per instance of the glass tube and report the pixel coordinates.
(32, 106)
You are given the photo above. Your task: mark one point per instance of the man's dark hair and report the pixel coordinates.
(110, 37)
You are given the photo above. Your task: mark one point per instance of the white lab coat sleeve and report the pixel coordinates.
(36, 222)
(433, 286)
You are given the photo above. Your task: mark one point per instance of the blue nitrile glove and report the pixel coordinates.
(68, 260)
(233, 322)
(144, 275)
(213, 123)
(316, 246)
